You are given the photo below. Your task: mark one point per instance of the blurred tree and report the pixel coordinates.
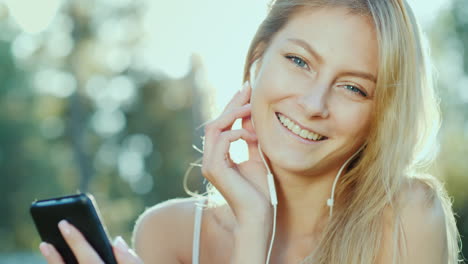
(460, 182)
(78, 111)
(449, 39)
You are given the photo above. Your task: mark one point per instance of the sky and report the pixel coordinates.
(220, 32)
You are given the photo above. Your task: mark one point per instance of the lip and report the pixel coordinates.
(297, 137)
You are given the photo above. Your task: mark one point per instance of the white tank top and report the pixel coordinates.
(196, 231)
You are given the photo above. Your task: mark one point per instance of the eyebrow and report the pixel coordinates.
(320, 59)
(359, 74)
(307, 47)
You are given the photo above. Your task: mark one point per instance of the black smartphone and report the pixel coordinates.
(79, 210)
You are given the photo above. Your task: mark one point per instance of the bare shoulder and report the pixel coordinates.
(422, 220)
(164, 230)
(421, 203)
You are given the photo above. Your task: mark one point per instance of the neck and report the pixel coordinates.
(302, 204)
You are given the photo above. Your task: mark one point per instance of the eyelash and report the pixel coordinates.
(294, 60)
(354, 90)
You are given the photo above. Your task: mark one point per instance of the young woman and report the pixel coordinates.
(339, 105)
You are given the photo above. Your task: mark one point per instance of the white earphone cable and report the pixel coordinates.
(273, 199)
(331, 201)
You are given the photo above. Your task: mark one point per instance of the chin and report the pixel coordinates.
(295, 163)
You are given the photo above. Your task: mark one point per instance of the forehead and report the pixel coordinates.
(335, 33)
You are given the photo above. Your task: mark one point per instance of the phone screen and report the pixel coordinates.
(80, 211)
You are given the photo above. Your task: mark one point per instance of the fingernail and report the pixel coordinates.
(65, 227)
(120, 243)
(132, 252)
(44, 248)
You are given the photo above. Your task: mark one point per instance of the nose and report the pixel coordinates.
(314, 102)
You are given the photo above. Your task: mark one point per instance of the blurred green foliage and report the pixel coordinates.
(449, 41)
(71, 121)
(79, 112)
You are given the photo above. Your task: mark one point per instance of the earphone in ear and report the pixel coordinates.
(252, 71)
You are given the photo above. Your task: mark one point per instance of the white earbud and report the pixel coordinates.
(331, 201)
(271, 181)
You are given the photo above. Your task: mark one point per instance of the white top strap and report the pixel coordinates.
(196, 231)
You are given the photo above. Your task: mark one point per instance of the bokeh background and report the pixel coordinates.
(106, 96)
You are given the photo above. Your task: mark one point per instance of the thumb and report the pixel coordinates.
(123, 253)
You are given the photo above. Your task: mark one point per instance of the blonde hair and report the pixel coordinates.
(401, 141)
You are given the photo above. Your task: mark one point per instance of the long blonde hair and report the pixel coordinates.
(401, 141)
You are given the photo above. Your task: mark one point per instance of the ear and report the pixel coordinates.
(253, 73)
(257, 56)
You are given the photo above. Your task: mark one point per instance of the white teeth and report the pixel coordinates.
(296, 129)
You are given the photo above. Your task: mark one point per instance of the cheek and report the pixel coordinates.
(353, 119)
(274, 81)
(264, 88)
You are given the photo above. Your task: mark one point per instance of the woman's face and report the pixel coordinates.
(312, 97)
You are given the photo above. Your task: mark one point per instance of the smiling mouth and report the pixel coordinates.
(296, 129)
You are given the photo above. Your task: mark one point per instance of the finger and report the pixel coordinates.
(50, 253)
(222, 123)
(219, 155)
(218, 148)
(231, 136)
(226, 177)
(248, 125)
(226, 120)
(252, 146)
(227, 137)
(82, 250)
(240, 98)
(221, 150)
(123, 253)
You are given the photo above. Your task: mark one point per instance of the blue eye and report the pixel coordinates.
(355, 90)
(298, 61)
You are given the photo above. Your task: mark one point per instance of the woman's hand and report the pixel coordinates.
(244, 186)
(83, 251)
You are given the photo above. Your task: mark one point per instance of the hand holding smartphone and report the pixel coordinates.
(80, 211)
